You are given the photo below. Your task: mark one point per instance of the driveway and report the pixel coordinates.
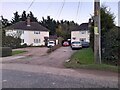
(38, 56)
(33, 51)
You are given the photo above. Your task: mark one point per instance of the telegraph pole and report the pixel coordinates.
(1, 32)
(97, 32)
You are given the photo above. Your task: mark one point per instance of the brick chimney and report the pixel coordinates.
(28, 21)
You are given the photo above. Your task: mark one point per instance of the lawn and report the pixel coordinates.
(18, 52)
(84, 58)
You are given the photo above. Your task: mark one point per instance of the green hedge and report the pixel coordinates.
(5, 51)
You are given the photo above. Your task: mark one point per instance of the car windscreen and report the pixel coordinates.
(51, 42)
(85, 43)
(66, 42)
(76, 42)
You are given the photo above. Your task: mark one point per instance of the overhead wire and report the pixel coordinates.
(61, 8)
(30, 5)
(77, 10)
(58, 12)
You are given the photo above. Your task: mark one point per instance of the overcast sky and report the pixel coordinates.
(43, 8)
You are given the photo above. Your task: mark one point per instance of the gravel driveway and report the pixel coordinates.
(33, 51)
(38, 56)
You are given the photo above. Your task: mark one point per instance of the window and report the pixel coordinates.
(88, 31)
(74, 38)
(22, 40)
(36, 32)
(17, 31)
(36, 40)
(22, 32)
(39, 40)
(83, 32)
(83, 39)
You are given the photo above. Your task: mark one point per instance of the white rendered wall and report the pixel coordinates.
(78, 35)
(29, 36)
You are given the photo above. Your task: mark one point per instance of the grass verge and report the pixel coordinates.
(18, 52)
(84, 59)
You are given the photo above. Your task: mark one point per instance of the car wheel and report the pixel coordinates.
(72, 48)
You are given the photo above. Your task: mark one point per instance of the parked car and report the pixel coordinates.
(66, 43)
(76, 45)
(51, 44)
(85, 44)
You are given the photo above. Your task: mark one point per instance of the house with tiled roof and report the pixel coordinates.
(31, 33)
(81, 33)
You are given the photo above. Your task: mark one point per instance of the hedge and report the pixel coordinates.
(5, 51)
(53, 48)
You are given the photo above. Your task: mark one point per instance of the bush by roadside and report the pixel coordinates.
(5, 51)
(53, 48)
(23, 46)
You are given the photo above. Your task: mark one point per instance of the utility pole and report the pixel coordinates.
(97, 32)
(0, 32)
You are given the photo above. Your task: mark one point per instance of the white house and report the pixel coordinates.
(81, 33)
(31, 33)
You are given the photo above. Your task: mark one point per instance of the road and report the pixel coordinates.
(41, 70)
(32, 76)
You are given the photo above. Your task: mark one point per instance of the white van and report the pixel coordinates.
(51, 44)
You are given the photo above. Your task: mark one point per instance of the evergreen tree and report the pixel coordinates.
(109, 32)
(16, 18)
(24, 17)
(50, 24)
(32, 18)
(5, 22)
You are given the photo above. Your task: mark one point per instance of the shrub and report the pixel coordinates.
(23, 46)
(12, 42)
(6, 51)
(53, 48)
(110, 46)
